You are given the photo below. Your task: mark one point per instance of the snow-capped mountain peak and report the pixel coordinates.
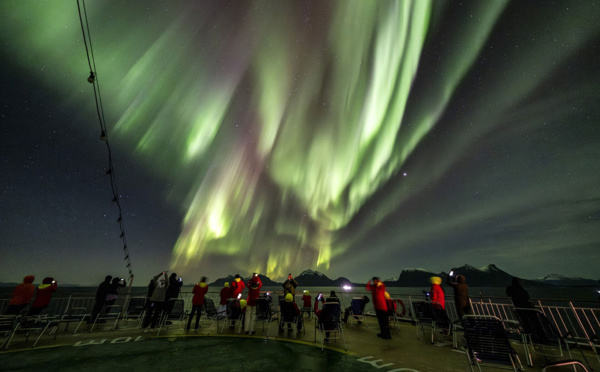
(311, 272)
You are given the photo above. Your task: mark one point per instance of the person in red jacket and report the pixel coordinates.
(237, 286)
(21, 296)
(43, 296)
(254, 286)
(438, 300)
(377, 289)
(224, 295)
(199, 292)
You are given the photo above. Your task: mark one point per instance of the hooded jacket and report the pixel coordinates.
(237, 286)
(44, 293)
(103, 290)
(23, 292)
(199, 292)
(254, 286)
(225, 294)
(461, 291)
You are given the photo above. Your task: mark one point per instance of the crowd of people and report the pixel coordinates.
(163, 290)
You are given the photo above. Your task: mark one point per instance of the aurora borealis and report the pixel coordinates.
(352, 137)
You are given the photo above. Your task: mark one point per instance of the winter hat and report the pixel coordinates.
(435, 280)
(28, 279)
(289, 297)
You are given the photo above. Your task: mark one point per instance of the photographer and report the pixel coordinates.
(43, 295)
(461, 293)
(175, 285)
(289, 286)
(113, 291)
(157, 300)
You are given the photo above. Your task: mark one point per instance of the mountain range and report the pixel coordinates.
(487, 276)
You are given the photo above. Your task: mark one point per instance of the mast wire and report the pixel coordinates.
(104, 133)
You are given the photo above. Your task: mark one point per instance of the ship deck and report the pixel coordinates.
(130, 348)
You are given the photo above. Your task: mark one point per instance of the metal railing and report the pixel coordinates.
(581, 323)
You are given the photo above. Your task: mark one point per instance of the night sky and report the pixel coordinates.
(356, 138)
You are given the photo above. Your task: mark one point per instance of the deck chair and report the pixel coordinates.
(210, 313)
(356, 311)
(136, 311)
(234, 316)
(8, 327)
(540, 336)
(423, 317)
(264, 314)
(78, 311)
(36, 324)
(392, 316)
(288, 319)
(329, 325)
(177, 314)
(108, 318)
(487, 344)
(566, 366)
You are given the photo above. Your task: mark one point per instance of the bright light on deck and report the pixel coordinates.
(347, 287)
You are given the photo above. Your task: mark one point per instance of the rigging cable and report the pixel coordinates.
(93, 79)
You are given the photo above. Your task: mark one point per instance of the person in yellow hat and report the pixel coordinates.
(436, 292)
(289, 311)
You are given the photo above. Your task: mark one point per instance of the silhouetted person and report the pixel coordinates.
(518, 294)
(101, 293)
(175, 285)
(113, 291)
(461, 293)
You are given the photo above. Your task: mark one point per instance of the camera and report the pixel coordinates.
(180, 279)
(320, 296)
(451, 273)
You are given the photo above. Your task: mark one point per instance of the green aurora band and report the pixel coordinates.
(277, 131)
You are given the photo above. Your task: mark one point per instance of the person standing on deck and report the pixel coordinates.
(518, 294)
(461, 293)
(199, 292)
(175, 285)
(21, 296)
(289, 286)
(224, 295)
(101, 294)
(43, 296)
(157, 300)
(377, 289)
(113, 290)
(438, 299)
(254, 286)
(237, 286)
